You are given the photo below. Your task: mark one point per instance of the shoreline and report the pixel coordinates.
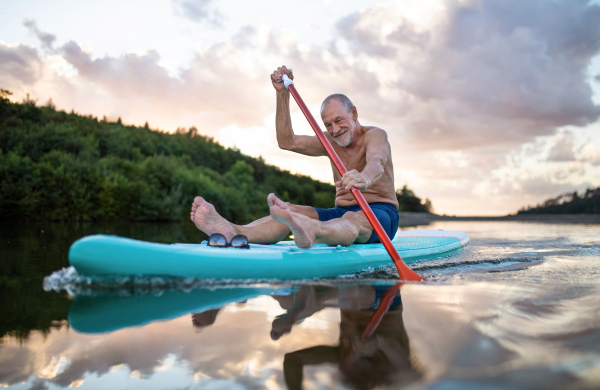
(413, 219)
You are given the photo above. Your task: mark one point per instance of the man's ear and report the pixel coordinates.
(354, 113)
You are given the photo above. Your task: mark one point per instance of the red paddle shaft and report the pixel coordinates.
(382, 309)
(404, 272)
(384, 306)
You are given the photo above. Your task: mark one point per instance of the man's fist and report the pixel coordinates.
(278, 75)
(352, 179)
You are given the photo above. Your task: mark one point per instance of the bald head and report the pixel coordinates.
(342, 99)
(340, 118)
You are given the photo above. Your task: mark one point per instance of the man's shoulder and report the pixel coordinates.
(375, 133)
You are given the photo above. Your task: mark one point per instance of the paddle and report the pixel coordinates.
(382, 309)
(404, 272)
(384, 306)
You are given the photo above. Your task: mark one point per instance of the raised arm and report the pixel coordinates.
(303, 144)
(377, 154)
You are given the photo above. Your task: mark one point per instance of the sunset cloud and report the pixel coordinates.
(562, 149)
(19, 65)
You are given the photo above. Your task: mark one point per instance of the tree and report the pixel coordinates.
(570, 203)
(408, 201)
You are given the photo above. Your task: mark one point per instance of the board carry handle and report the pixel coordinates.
(404, 272)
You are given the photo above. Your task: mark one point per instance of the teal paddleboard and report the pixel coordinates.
(90, 314)
(102, 255)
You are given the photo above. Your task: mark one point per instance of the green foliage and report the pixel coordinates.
(408, 201)
(588, 203)
(64, 166)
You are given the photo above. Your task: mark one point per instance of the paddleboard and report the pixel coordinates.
(90, 314)
(104, 255)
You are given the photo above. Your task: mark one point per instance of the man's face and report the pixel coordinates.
(339, 123)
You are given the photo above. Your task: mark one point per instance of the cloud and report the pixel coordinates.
(590, 154)
(45, 38)
(39, 384)
(19, 65)
(562, 150)
(130, 74)
(357, 30)
(198, 11)
(500, 69)
(461, 96)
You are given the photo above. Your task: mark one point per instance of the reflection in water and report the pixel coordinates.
(365, 359)
(473, 334)
(535, 326)
(373, 346)
(205, 318)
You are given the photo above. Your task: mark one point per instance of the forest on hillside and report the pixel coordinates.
(64, 166)
(61, 166)
(572, 203)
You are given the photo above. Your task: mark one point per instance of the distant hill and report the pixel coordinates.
(587, 203)
(65, 166)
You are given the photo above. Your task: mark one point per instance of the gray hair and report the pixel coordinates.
(342, 99)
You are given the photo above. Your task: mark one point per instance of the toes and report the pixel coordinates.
(273, 200)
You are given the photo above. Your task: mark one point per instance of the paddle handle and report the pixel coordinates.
(404, 272)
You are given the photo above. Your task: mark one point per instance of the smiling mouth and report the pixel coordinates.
(340, 133)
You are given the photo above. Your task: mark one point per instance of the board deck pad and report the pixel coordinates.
(103, 255)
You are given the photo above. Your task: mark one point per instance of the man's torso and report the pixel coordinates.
(383, 191)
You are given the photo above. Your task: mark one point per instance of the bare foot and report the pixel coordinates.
(302, 227)
(208, 220)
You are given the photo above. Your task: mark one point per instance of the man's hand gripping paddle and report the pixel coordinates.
(404, 272)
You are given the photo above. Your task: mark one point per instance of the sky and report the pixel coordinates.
(489, 105)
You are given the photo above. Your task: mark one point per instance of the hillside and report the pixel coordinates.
(65, 166)
(587, 203)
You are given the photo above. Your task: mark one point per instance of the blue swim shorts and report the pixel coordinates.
(386, 213)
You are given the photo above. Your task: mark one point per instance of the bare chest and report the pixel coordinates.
(356, 159)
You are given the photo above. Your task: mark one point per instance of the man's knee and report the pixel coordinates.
(360, 223)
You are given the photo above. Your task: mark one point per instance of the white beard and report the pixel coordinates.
(346, 141)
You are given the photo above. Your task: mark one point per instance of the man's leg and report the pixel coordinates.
(352, 227)
(262, 231)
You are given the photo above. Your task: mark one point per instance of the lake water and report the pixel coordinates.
(520, 309)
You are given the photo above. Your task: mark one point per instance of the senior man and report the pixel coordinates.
(365, 152)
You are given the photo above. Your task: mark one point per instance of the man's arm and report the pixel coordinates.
(303, 144)
(294, 362)
(377, 154)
